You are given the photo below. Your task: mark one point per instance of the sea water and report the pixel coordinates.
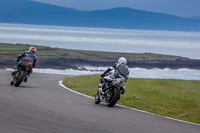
(155, 73)
(185, 44)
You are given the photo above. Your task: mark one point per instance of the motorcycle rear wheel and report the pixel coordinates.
(114, 98)
(20, 79)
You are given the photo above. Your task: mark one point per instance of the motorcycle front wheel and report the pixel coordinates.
(97, 98)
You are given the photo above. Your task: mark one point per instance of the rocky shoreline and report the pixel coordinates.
(63, 58)
(64, 63)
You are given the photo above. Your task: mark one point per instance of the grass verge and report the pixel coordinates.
(173, 98)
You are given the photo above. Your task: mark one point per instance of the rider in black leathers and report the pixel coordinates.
(120, 70)
(26, 56)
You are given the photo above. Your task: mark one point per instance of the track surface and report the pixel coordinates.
(43, 106)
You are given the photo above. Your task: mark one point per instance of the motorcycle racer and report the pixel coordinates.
(120, 70)
(26, 56)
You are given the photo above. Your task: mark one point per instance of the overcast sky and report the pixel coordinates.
(183, 8)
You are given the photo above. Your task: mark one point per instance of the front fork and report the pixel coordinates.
(101, 93)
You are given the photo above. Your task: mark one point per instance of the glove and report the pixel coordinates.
(102, 75)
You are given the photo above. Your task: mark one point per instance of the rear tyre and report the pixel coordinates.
(20, 79)
(97, 98)
(115, 96)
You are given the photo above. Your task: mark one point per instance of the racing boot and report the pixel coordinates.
(28, 75)
(25, 79)
(122, 90)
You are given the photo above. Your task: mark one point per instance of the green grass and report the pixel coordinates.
(10, 51)
(174, 98)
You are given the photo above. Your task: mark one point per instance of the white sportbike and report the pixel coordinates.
(112, 94)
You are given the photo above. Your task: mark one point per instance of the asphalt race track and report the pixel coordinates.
(42, 106)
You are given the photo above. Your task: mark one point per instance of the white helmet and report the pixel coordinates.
(122, 60)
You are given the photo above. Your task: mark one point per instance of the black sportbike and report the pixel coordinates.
(22, 73)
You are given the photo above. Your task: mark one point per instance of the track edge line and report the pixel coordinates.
(61, 84)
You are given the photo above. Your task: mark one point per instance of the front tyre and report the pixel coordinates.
(20, 79)
(114, 97)
(97, 98)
